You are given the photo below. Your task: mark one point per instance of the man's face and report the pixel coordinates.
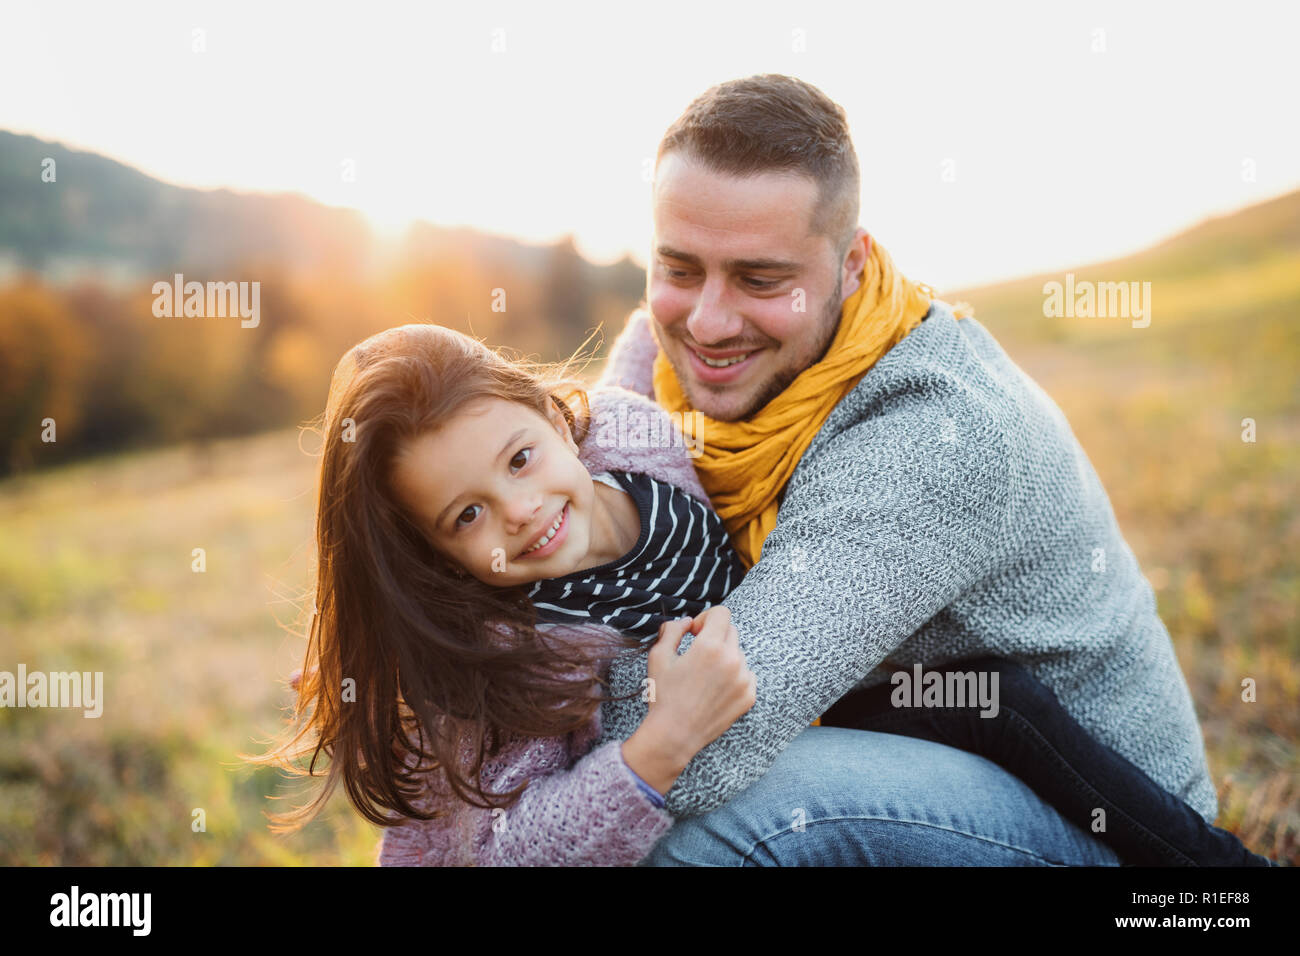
(735, 273)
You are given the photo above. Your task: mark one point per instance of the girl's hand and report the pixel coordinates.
(701, 693)
(696, 696)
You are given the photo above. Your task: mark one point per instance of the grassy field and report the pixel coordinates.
(96, 561)
(1212, 518)
(96, 572)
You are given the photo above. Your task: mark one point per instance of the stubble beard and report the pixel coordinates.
(784, 378)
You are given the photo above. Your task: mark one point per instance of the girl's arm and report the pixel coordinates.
(592, 811)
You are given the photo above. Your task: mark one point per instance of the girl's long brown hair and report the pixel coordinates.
(438, 663)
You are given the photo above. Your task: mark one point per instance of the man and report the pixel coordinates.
(906, 496)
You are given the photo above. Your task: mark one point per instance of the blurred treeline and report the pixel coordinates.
(1193, 424)
(80, 344)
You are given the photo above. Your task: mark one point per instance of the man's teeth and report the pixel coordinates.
(723, 363)
(549, 534)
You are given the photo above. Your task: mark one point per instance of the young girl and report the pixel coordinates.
(481, 545)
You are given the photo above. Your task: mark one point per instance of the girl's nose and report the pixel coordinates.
(522, 511)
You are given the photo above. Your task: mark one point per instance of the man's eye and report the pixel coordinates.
(675, 273)
(527, 452)
(761, 283)
(468, 511)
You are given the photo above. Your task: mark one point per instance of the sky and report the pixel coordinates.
(996, 140)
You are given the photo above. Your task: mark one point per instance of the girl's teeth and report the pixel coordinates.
(723, 363)
(549, 534)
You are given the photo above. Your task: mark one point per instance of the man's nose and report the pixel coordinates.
(714, 318)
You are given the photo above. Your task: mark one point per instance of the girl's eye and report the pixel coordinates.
(466, 517)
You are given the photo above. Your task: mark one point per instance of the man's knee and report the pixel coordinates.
(839, 797)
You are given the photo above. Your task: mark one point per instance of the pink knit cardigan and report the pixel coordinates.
(580, 808)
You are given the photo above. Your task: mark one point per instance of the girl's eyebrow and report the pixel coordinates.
(508, 445)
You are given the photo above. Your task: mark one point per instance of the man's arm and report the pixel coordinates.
(897, 517)
(631, 360)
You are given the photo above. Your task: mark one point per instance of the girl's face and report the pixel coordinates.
(492, 483)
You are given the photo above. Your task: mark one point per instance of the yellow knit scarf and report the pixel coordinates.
(744, 465)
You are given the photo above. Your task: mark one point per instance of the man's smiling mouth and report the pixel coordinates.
(721, 366)
(723, 362)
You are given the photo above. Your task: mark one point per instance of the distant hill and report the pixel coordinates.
(105, 217)
(1229, 267)
(80, 342)
(102, 215)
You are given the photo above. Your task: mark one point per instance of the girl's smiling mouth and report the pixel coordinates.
(551, 539)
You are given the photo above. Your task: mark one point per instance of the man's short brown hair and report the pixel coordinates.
(775, 123)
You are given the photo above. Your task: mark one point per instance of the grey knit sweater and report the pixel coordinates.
(944, 510)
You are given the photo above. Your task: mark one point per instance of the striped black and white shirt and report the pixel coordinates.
(681, 564)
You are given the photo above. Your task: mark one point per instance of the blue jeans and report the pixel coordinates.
(842, 797)
(1034, 737)
(937, 805)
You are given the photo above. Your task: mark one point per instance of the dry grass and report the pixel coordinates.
(95, 574)
(96, 564)
(1211, 518)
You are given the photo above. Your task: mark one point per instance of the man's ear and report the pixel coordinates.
(855, 260)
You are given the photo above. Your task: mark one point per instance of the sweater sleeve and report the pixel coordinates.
(592, 814)
(893, 519)
(585, 811)
(407, 844)
(629, 432)
(631, 360)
